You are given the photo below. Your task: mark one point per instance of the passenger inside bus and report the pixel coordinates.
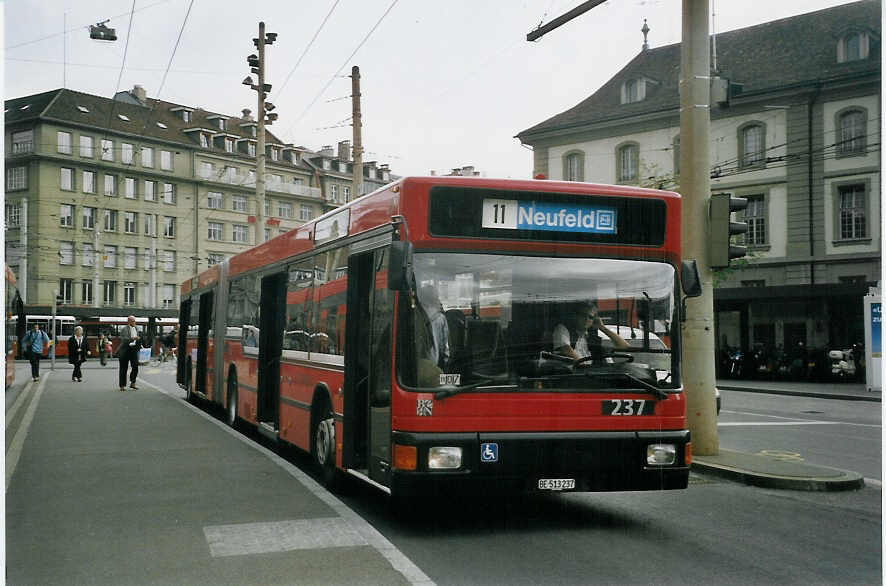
(580, 339)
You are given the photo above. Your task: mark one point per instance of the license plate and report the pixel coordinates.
(556, 483)
(628, 407)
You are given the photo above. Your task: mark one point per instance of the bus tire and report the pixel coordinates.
(231, 408)
(323, 444)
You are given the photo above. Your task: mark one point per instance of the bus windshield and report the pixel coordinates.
(531, 322)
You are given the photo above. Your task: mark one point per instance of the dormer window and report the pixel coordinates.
(182, 112)
(250, 149)
(327, 164)
(635, 90)
(204, 142)
(221, 123)
(275, 154)
(853, 46)
(252, 132)
(186, 116)
(229, 145)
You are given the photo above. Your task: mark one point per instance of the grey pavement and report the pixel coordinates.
(139, 487)
(849, 391)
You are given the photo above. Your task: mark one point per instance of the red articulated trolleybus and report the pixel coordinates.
(409, 338)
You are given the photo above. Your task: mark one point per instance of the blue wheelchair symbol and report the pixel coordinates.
(489, 452)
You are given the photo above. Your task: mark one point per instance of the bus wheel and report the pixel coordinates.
(324, 447)
(231, 408)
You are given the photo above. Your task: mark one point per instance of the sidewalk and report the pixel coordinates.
(140, 487)
(827, 390)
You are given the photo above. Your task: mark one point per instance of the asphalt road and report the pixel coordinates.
(826, 432)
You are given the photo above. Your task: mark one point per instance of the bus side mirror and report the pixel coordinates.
(400, 266)
(689, 278)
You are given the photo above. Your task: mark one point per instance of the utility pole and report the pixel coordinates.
(52, 325)
(695, 120)
(257, 66)
(699, 378)
(96, 266)
(358, 132)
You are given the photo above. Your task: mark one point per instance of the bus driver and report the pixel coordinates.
(575, 342)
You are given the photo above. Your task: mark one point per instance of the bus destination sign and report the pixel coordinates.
(549, 216)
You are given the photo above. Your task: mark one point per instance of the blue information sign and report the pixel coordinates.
(876, 341)
(554, 217)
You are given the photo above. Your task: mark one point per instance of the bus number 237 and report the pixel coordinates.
(628, 407)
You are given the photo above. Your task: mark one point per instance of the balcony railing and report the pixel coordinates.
(248, 182)
(19, 148)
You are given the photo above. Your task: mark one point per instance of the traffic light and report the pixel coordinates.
(100, 32)
(723, 229)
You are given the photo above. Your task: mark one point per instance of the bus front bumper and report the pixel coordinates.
(543, 461)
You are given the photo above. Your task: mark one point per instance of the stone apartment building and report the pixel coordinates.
(335, 173)
(795, 128)
(113, 203)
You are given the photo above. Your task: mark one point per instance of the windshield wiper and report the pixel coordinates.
(451, 390)
(654, 390)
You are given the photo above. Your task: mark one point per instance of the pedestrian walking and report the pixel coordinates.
(78, 350)
(33, 345)
(128, 353)
(104, 349)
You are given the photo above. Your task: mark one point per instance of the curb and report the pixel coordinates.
(842, 482)
(814, 394)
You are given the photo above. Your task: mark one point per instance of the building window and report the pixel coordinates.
(110, 220)
(631, 91)
(240, 233)
(327, 164)
(628, 163)
(216, 258)
(110, 292)
(130, 219)
(250, 149)
(16, 178)
(129, 187)
(110, 185)
(110, 256)
(86, 292)
(267, 207)
(169, 261)
(853, 47)
(168, 226)
(752, 144)
(333, 193)
(129, 293)
(166, 160)
(86, 146)
(186, 116)
(22, 142)
(126, 153)
(238, 203)
(851, 132)
(169, 193)
(346, 191)
(64, 142)
(150, 225)
(107, 150)
(88, 181)
(204, 142)
(147, 157)
(168, 296)
(305, 212)
(13, 215)
(755, 216)
(214, 200)
(150, 187)
(129, 257)
(65, 253)
(214, 231)
(148, 259)
(221, 123)
(88, 218)
(229, 145)
(267, 234)
(853, 221)
(574, 167)
(88, 259)
(205, 169)
(66, 290)
(66, 179)
(275, 156)
(66, 215)
(284, 210)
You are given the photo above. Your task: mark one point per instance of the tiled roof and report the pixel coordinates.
(769, 56)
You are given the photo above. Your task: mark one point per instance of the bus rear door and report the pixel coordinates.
(270, 348)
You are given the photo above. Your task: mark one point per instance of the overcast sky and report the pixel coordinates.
(444, 83)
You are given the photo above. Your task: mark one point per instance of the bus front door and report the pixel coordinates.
(367, 402)
(270, 348)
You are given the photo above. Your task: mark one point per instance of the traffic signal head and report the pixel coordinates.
(723, 229)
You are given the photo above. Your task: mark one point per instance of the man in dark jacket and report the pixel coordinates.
(130, 344)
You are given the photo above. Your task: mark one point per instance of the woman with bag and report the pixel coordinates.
(104, 349)
(78, 350)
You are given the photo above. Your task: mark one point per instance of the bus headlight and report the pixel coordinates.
(444, 458)
(661, 454)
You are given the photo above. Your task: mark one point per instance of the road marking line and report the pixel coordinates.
(801, 419)
(874, 482)
(18, 402)
(274, 536)
(739, 423)
(15, 446)
(373, 537)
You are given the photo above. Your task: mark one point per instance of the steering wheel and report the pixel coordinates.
(626, 357)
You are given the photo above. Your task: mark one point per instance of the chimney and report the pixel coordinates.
(344, 150)
(433, 173)
(468, 171)
(138, 92)
(247, 114)
(326, 151)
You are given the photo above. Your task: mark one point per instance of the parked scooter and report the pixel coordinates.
(843, 365)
